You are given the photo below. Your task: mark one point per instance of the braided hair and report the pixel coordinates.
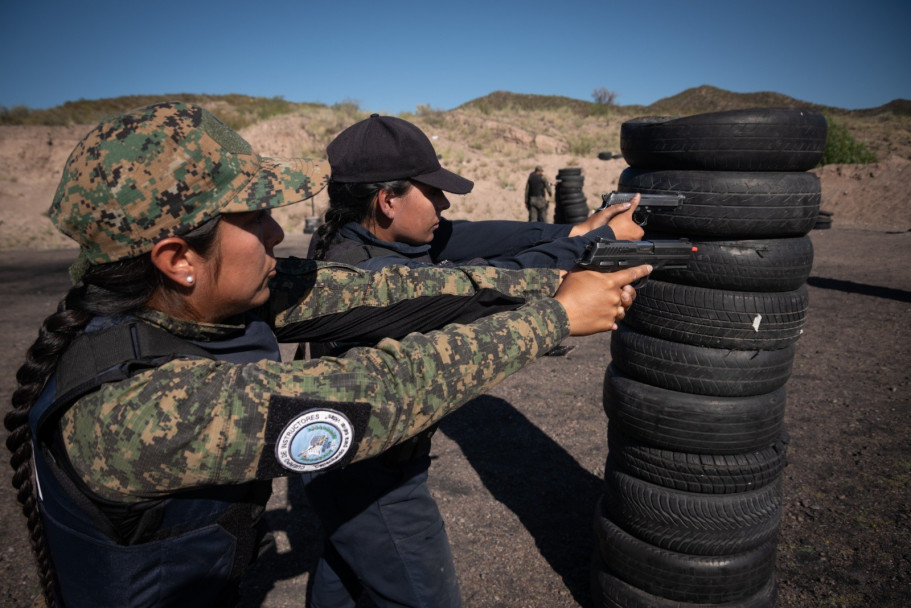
(351, 202)
(105, 289)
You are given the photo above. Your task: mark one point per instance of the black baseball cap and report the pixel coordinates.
(386, 148)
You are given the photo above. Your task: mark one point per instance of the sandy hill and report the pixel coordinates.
(495, 141)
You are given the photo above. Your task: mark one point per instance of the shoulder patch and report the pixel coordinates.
(315, 440)
(306, 435)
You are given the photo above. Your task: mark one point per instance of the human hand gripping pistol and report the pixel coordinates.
(608, 256)
(649, 203)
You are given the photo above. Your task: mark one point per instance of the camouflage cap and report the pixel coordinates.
(163, 170)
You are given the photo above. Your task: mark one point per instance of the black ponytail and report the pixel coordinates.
(106, 289)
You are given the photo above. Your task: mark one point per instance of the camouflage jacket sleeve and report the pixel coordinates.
(294, 300)
(197, 422)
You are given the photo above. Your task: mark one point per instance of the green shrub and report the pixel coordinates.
(13, 116)
(581, 145)
(842, 148)
(349, 107)
(431, 116)
(237, 111)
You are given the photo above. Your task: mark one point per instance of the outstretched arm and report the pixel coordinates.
(313, 300)
(194, 422)
(618, 217)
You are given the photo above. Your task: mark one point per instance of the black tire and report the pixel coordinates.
(573, 196)
(732, 204)
(575, 206)
(679, 576)
(697, 369)
(568, 171)
(696, 472)
(572, 213)
(688, 522)
(684, 422)
(823, 222)
(605, 156)
(569, 196)
(761, 139)
(573, 219)
(745, 265)
(608, 591)
(719, 318)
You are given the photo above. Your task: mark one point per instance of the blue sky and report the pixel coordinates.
(392, 56)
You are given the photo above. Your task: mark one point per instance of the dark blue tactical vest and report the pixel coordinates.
(189, 549)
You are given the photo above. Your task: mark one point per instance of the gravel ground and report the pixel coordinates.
(517, 472)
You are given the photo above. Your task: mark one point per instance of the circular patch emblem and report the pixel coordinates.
(314, 440)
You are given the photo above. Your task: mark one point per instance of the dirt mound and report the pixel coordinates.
(284, 136)
(32, 157)
(31, 161)
(873, 196)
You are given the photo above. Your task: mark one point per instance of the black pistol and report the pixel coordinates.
(608, 256)
(648, 204)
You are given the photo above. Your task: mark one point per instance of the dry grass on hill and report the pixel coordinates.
(494, 141)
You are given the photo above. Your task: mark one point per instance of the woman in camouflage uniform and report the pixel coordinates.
(153, 409)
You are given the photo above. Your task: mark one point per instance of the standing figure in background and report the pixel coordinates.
(537, 191)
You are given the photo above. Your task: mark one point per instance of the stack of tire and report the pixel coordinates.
(695, 393)
(570, 206)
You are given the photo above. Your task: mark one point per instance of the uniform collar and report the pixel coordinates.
(193, 330)
(356, 232)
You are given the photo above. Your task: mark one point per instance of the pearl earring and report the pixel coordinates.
(189, 280)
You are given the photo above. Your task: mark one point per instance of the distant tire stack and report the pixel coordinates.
(695, 392)
(570, 205)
